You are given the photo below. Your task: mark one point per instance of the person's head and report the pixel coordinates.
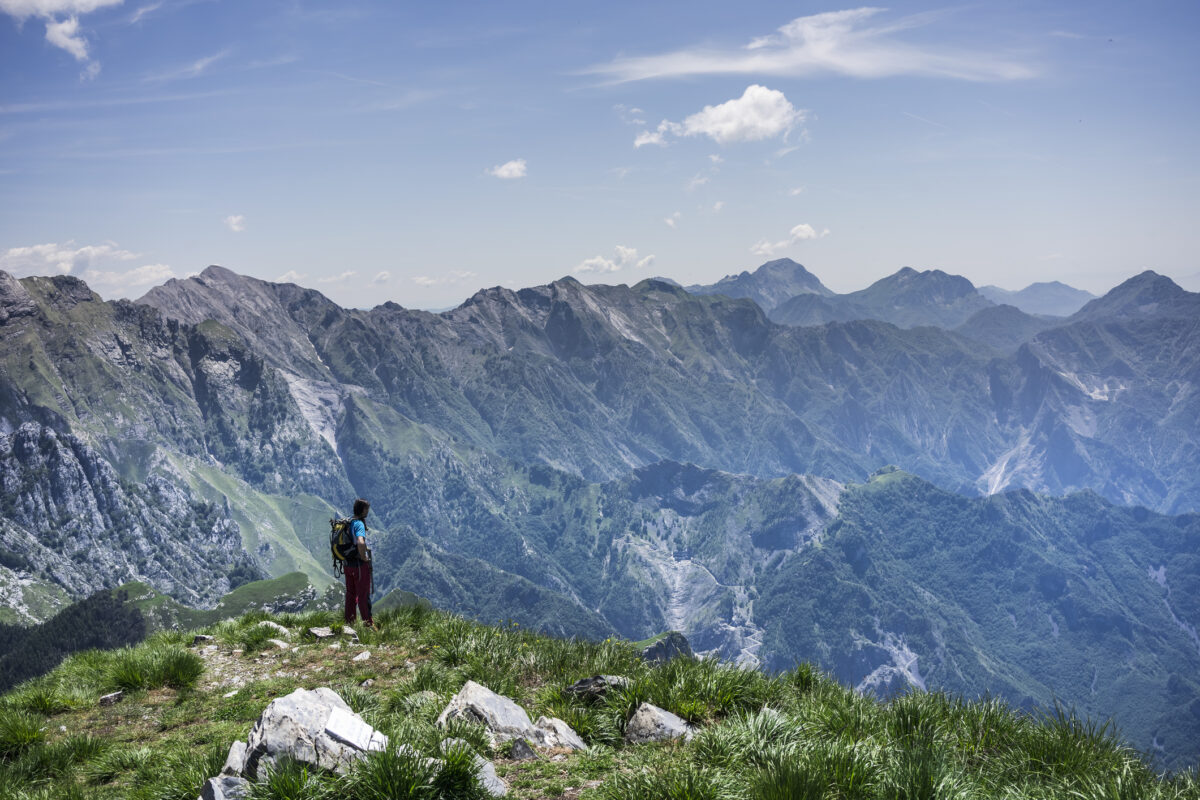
(361, 507)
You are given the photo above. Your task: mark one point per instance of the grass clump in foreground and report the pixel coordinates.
(757, 736)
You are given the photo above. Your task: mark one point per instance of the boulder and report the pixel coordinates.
(275, 628)
(521, 751)
(235, 760)
(314, 727)
(112, 699)
(671, 644)
(556, 733)
(504, 719)
(486, 770)
(322, 633)
(363, 656)
(653, 724)
(201, 638)
(279, 643)
(596, 687)
(225, 787)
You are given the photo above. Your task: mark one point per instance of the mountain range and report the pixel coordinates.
(596, 459)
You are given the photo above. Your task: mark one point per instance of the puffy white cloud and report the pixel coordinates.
(383, 276)
(799, 233)
(291, 276)
(717, 206)
(509, 169)
(454, 276)
(795, 190)
(347, 275)
(235, 222)
(626, 258)
(671, 220)
(839, 42)
(113, 283)
(714, 158)
(760, 113)
(64, 259)
(65, 34)
(22, 9)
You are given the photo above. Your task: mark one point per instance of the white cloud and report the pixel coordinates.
(509, 169)
(65, 34)
(717, 206)
(839, 42)
(142, 12)
(190, 70)
(347, 275)
(291, 276)
(454, 276)
(795, 190)
(23, 9)
(630, 116)
(697, 181)
(799, 233)
(760, 113)
(626, 257)
(383, 276)
(671, 220)
(63, 259)
(111, 283)
(714, 158)
(235, 222)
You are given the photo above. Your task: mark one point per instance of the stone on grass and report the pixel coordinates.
(556, 733)
(225, 787)
(322, 633)
(112, 699)
(275, 627)
(521, 751)
(363, 656)
(368, 683)
(504, 719)
(671, 644)
(282, 645)
(596, 687)
(297, 726)
(235, 760)
(349, 632)
(653, 724)
(201, 638)
(486, 770)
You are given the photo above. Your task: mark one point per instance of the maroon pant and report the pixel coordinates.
(358, 591)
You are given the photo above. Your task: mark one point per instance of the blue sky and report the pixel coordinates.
(416, 152)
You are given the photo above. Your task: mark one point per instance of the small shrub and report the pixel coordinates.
(294, 780)
(392, 774)
(113, 763)
(19, 730)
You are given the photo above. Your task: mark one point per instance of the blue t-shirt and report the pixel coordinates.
(357, 528)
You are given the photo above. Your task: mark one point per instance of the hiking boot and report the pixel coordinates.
(370, 624)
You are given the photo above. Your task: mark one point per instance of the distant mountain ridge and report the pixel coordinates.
(1047, 298)
(769, 286)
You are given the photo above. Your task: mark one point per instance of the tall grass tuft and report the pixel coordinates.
(19, 730)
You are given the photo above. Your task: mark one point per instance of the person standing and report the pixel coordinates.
(358, 568)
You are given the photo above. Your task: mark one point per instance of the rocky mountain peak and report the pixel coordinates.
(772, 284)
(1144, 295)
(14, 298)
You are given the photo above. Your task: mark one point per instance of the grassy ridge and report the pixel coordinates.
(797, 734)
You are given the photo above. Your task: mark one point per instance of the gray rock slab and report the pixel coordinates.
(349, 728)
(322, 633)
(556, 733)
(504, 719)
(275, 627)
(522, 751)
(597, 686)
(279, 643)
(235, 760)
(295, 726)
(673, 644)
(112, 699)
(225, 787)
(653, 724)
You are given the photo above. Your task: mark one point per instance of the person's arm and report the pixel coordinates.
(361, 541)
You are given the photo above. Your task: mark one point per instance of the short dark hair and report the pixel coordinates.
(361, 507)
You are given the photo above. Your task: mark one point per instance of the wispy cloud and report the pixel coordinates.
(291, 276)
(193, 69)
(143, 11)
(383, 276)
(509, 169)
(926, 121)
(672, 220)
(340, 277)
(235, 222)
(454, 276)
(760, 113)
(126, 283)
(845, 42)
(109, 102)
(799, 233)
(626, 258)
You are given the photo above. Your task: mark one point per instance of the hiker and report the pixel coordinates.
(358, 568)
